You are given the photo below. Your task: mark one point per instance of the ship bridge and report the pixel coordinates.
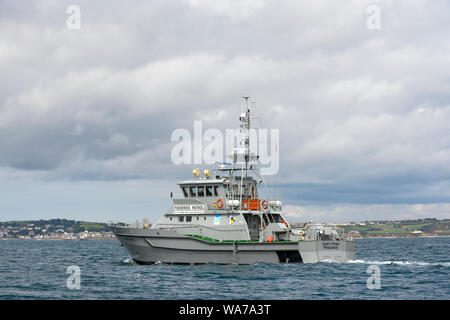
(237, 192)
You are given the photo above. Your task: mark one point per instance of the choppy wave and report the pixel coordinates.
(401, 263)
(418, 269)
(129, 261)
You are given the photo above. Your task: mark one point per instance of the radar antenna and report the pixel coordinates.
(245, 125)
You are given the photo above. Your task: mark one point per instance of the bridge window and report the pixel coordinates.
(180, 218)
(185, 191)
(215, 191)
(201, 191)
(192, 192)
(209, 191)
(188, 218)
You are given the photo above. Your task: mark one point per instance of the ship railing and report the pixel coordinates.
(145, 224)
(118, 224)
(204, 231)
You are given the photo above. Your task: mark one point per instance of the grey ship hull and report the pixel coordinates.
(148, 246)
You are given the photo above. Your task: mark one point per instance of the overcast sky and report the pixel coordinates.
(86, 115)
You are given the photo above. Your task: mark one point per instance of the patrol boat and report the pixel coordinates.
(222, 219)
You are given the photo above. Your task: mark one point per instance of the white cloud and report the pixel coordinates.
(234, 9)
(363, 115)
(349, 213)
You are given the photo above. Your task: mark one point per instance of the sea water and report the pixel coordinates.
(416, 268)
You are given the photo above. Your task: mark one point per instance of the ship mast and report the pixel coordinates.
(244, 154)
(245, 125)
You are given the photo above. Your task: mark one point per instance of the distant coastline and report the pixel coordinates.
(419, 228)
(99, 239)
(442, 236)
(63, 229)
(55, 229)
(113, 238)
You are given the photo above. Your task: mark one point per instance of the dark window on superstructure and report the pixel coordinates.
(192, 192)
(201, 191)
(209, 191)
(181, 219)
(188, 218)
(215, 191)
(247, 190)
(185, 191)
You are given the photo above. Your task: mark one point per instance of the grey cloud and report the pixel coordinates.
(362, 114)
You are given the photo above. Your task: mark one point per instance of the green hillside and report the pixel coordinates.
(420, 227)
